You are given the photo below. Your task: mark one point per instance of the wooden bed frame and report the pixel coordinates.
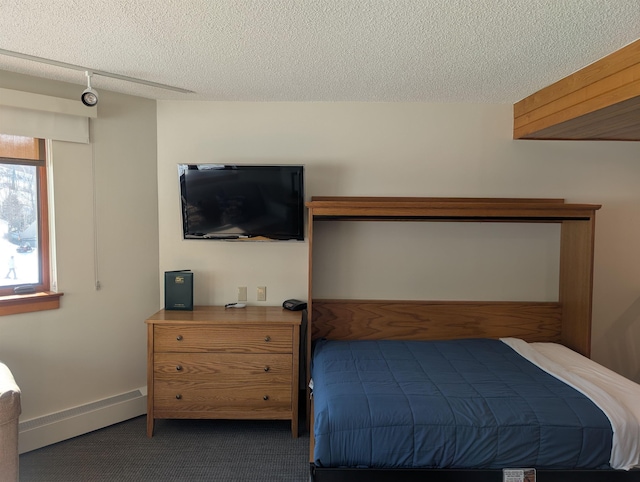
(567, 321)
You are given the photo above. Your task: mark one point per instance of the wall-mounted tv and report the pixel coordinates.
(225, 201)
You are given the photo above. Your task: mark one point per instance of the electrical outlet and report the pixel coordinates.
(262, 293)
(242, 293)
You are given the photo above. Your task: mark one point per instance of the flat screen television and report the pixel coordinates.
(224, 201)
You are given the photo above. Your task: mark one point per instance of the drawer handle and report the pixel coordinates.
(179, 337)
(178, 396)
(179, 367)
(266, 397)
(266, 369)
(267, 338)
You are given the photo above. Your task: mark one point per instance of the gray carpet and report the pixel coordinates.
(180, 450)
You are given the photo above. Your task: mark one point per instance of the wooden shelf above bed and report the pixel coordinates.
(570, 317)
(454, 209)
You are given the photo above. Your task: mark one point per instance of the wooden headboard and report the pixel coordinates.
(567, 321)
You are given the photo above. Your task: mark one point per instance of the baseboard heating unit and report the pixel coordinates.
(56, 427)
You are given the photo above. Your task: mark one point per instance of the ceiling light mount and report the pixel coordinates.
(102, 73)
(89, 96)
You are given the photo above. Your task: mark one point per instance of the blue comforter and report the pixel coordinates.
(448, 404)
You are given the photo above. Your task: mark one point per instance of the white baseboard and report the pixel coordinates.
(49, 429)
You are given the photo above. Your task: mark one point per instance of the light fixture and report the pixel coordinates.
(89, 96)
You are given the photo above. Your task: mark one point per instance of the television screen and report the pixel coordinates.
(221, 201)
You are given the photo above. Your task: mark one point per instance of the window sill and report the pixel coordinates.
(14, 304)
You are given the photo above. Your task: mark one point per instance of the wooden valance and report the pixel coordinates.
(598, 102)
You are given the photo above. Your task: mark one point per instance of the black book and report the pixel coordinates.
(178, 290)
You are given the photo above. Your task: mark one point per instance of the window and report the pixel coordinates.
(24, 227)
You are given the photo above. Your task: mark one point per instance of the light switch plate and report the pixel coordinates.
(262, 293)
(242, 293)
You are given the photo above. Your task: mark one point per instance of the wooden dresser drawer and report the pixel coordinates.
(228, 338)
(224, 368)
(234, 396)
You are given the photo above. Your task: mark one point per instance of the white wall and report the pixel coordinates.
(382, 149)
(94, 346)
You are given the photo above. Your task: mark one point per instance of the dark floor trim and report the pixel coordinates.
(318, 474)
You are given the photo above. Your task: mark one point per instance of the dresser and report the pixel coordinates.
(233, 363)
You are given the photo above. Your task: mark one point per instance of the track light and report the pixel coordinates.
(89, 96)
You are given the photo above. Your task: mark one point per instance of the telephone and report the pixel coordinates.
(294, 305)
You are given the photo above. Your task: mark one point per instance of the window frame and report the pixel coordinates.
(42, 298)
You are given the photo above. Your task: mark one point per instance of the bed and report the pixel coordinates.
(343, 324)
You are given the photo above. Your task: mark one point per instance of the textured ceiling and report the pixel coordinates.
(477, 51)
